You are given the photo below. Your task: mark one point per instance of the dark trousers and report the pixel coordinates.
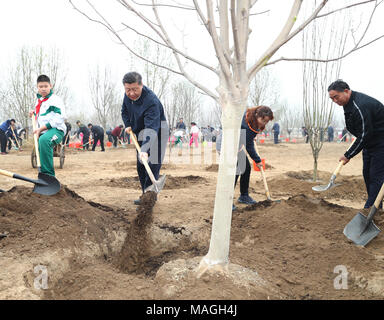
(373, 171)
(243, 170)
(96, 139)
(115, 141)
(276, 137)
(85, 142)
(3, 141)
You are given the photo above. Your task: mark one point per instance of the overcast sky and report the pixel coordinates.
(84, 44)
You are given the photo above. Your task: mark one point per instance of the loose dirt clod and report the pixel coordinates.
(135, 250)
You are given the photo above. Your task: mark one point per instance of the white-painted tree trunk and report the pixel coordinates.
(218, 253)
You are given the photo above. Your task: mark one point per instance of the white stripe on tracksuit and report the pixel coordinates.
(363, 128)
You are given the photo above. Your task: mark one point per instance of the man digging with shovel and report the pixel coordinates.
(364, 118)
(143, 114)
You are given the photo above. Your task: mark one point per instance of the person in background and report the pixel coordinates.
(117, 134)
(276, 132)
(5, 133)
(330, 133)
(194, 133)
(98, 135)
(85, 131)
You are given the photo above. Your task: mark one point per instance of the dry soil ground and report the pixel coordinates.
(90, 241)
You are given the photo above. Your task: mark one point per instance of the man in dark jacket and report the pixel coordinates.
(364, 118)
(84, 130)
(143, 114)
(5, 133)
(98, 135)
(180, 125)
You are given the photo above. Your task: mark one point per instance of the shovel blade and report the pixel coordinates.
(325, 187)
(46, 185)
(157, 186)
(359, 232)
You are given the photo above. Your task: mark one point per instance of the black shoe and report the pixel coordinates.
(137, 202)
(246, 199)
(102, 150)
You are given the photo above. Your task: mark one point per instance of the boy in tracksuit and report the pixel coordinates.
(50, 115)
(5, 133)
(143, 113)
(364, 118)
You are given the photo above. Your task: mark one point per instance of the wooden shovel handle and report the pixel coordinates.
(145, 163)
(339, 166)
(13, 132)
(379, 197)
(263, 175)
(35, 139)
(6, 173)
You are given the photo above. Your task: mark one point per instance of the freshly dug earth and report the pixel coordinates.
(96, 244)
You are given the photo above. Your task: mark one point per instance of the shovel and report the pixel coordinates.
(157, 185)
(46, 184)
(361, 230)
(331, 183)
(17, 142)
(265, 180)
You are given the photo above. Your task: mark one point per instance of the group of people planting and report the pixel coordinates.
(143, 115)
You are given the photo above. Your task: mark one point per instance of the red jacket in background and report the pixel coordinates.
(117, 131)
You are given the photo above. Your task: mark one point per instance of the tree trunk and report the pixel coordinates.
(222, 215)
(315, 157)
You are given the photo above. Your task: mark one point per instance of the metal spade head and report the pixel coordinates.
(157, 186)
(325, 187)
(46, 185)
(360, 230)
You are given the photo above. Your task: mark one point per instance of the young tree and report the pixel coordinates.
(317, 107)
(227, 23)
(263, 89)
(104, 94)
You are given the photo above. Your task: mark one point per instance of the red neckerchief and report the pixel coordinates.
(37, 108)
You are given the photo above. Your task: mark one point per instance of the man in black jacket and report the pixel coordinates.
(98, 135)
(364, 118)
(143, 114)
(84, 130)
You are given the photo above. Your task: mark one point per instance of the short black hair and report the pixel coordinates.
(43, 78)
(121, 126)
(90, 124)
(78, 121)
(132, 77)
(338, 85)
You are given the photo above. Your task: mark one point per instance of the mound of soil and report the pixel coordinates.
(212, 168)
(297, 244)
(171, 182)
(347, 188)
(134, 252)
(35, 221)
